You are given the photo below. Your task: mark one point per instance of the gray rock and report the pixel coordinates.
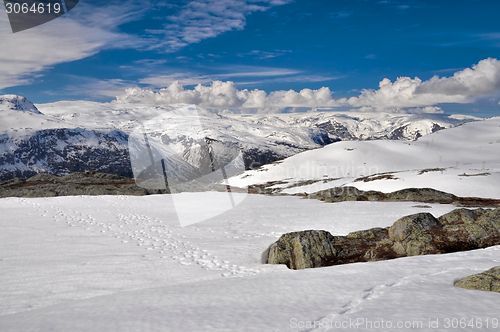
(417, 234)
(425, 195)
(302, 250)
(487, 281)
(411, 234)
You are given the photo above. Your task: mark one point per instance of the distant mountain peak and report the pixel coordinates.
(17, 103)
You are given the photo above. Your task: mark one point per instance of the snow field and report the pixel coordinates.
(120, 263)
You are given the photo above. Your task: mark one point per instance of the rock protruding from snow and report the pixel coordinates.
(416, 234)
(424, 195)
(17, 103)
(78, 184)
(302, 250)
(487, 281)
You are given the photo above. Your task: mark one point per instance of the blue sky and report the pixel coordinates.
(101, 48)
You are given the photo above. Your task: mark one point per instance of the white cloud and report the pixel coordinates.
(226, 95)
(77, 35)
(462, 87)
(482, 79)
(404, 95)
(202, 19)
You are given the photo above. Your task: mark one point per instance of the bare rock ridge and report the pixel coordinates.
(417, 234)
(424, 195)
(487, 281)
(88, 183)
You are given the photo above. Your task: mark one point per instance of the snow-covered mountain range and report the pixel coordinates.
(68, 136)
(464, 160)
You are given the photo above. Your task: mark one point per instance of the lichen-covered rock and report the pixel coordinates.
(91, 183)
(412, 225)
(411, 234)
(305, 249)
(338, 194)
(427, 195)
(369, 234)
(417, 234)
(486, 281)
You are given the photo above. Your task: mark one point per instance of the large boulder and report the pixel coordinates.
(302, 250)
(306, 249)
(417, 234)
(486, 281)
(412, 234)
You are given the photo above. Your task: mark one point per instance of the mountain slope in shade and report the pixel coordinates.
(464, 160)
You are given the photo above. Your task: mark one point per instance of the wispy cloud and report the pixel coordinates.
(260, 55)
(202, 19)
(90, 29)
(75, 36)
(371, 56)
(339, 14)
(291, 79)
(97, 89)
(225, 72)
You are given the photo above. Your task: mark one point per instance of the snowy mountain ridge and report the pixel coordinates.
(69, 136)
(463, 160)
(364, 125)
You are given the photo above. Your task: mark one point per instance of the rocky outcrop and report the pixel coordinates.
(425, 195)
(487, 281)
(417, 234)
(92, 183)
(306, 249)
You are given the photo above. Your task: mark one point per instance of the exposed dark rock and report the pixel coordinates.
(486, 281)
(306, 249)
(436, 127)
(92, 183)
(336, 130)
(425, 195)
(417, 234)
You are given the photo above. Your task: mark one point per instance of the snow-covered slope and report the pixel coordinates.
(364, 125)
(123, 264)
(464, 160)
(17, 103)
